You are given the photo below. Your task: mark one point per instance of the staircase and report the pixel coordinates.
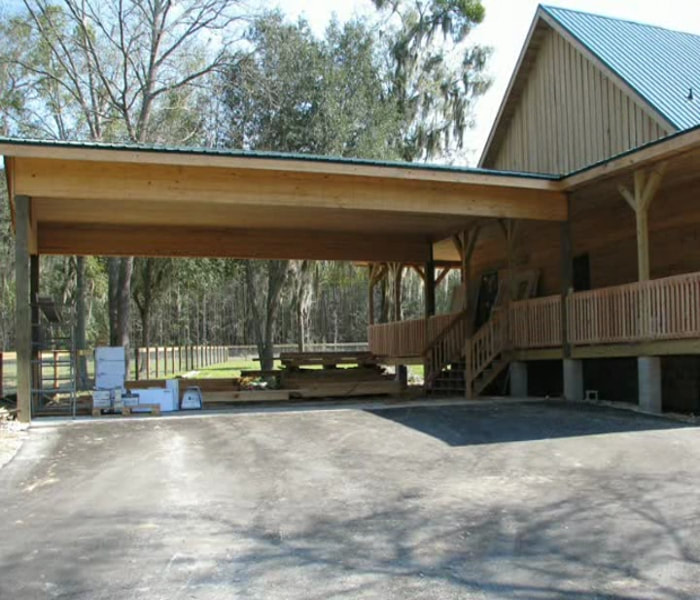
(486, 354)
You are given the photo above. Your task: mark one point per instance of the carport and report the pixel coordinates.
(111, 200)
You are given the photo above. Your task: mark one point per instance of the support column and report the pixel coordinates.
(573, 380)
(370, 298)
(402, 376)
(572, 369)
(567, 278)
(397, 275)
(23, 318)
(639, 200)
(649, 380)
(430, 285)
(518, 379)
(465, 243)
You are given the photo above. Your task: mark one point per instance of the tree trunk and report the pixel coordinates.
(113, 265)
(80, 322)
(124, 305)
(264, 320)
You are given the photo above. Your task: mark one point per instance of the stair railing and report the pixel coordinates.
(445, 348)
(488, 343)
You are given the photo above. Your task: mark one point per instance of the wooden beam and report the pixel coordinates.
(658, 348)
(281, 164)
(442, 276)
(94, 181)
(226, 243)
(23, 321)
(420, 271)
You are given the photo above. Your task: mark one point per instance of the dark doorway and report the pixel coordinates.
(488, 291)
(582, 273)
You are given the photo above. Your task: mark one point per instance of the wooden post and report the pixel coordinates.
(1, 390)
(567, 268)
(465, 243)
(397, 271)
(23, 318)
(179, 359)
(370, 293)
(136, 363)
(55, 369)
(645, 188)
(430, 285)
(148, 362)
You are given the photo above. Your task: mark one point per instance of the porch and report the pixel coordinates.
(643, 319)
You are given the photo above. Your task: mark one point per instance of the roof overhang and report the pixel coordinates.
(103, 200)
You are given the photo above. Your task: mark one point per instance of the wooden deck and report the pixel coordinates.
(659, 316)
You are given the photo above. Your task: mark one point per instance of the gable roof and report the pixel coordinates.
(657, 66)
(661, 65)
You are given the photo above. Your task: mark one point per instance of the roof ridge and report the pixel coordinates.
(548, 8)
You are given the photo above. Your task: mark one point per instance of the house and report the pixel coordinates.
(589, 95)
(576, 238)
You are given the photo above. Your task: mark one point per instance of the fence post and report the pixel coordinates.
(55, 370)
(172, 359)
(1, 390)
(136, 363)
(179, 358)
(148, 362)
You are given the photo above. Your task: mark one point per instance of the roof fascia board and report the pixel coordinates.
(652, 153)
(295, 166)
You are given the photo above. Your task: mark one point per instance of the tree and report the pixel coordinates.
(151, 279)
(435, 73)
(295, 93)
(114, 70)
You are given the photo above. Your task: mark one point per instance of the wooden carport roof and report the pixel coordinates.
(99, 199)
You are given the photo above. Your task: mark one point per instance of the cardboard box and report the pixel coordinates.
(110, 353)
(109, 381)
(158, 396)
(102, 399)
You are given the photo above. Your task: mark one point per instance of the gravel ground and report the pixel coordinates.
(526, 501)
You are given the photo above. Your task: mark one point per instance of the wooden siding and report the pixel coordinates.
(603, 227)
(570, 115)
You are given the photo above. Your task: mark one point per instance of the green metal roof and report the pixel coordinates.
(661, 65)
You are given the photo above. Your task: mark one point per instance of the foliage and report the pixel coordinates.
(436, 73)
(399, 86)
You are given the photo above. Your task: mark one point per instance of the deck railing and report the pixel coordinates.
(535, 323)
(406, 338)
(659, 309)
(447, 346)
(488, 343)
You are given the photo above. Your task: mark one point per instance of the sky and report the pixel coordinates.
(504, 29)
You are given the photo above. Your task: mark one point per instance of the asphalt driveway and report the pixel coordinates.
(491, 501)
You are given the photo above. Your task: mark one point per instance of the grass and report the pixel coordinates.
(233, 368)
(230, 369)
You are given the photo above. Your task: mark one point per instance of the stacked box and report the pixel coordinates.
(110, 368)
